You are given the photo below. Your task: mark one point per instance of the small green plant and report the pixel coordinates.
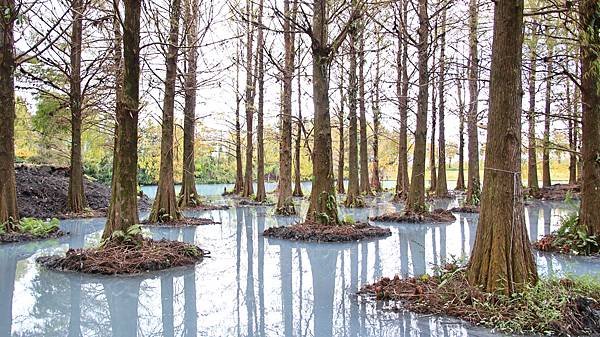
(348, 219)
(571, 238)
(38, 227)
(131, 235)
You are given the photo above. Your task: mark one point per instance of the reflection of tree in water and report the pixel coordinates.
(323, 269)
(285, 269)
(472, 223)
(8, 271)
(250, 297)
(260, 224)
(533, 215)
(238, 255)
(547, 214)
(122, 296)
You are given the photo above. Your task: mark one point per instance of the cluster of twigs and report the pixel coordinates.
(126, 257)
(438, 215)
(465, 209)
(313, 231)
(450, 294)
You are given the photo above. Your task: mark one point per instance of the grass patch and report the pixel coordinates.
(551, 307)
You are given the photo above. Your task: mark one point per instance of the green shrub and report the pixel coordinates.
(38, 227)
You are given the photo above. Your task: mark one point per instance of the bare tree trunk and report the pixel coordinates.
(590, 85)
(441, 188)
(76, 201)
(546, 180)
(123, 202)
(249, 103)
(261, 194)
(432, 164)
(323, 203)
(501, 260)
(353, 198)
(532, 178)
(341, 154)
(285, 204)
(402, 182)
(375, 179)
(165, 207)
(239, 175)
(365, 186)
(460, 181)
(473, 183)
(9, 214)
(297, 183)
(416, 194)
(188, 196)
(572, 124)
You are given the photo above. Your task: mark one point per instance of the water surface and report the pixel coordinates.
(251, 286)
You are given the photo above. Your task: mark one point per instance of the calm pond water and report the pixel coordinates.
(251, 286)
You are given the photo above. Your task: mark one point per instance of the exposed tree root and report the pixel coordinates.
(185, 222)
(135, 257)
(560, 307)
(312, 231)
(16, 236)
(465, 209)
(438, 215)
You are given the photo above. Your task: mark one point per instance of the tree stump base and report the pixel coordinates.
(437, 216)
(315, 232)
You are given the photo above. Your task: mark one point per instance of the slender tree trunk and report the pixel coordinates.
(297, 179)
(460, 181)
(532, 178)
(501, 260)
(365, 186)
(261, 194)
(416, 194)
(165, 207)
(375, 179)
(402, 182)
(285, 204)
(323, 203)
(9, 214)
(590, 97)
(441, 188)
(188, 196)
(432, 165)
(473, 183)
(76, 201)
(239, 175)
(353, 196)
(123, 202)
(341, 118)
(572, 106)
(546, 181)
(249, 103)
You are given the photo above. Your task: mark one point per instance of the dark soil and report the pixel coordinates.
(315, 232)
(574, 313)
(42, 193)
(12, 237)
(185, 222)
(438, 215)
(126, 258)
(249, 202)
(557, 192)
(465, 209)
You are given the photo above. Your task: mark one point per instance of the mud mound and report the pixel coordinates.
(12, 237)
(185, 222)
(311, 231)
(465, 209)
(557, 192)
(42, 193)
(137, 257)
(438, 215)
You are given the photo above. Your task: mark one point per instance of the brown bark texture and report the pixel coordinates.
(532, 177)
(8, 190)
(123, 203)
(441, 187)
(589, 214)
(76, 201)
(248, 189)
(473, 182)
(402, 182)
(501, 259)
(261, 194)
(164, 207)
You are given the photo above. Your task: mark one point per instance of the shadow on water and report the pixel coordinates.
(251, 286)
